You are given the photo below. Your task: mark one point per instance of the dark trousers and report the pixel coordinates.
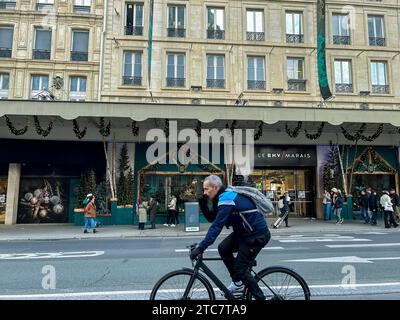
(283, 212)
(153, 219)
(239, 267)
(373, 217)
(171, 217)
(141, 225)
(176, 214)
(388, 215)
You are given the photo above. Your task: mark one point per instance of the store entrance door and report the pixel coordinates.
(298, 183)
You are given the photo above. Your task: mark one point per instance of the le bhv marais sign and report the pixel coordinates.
(287, 156)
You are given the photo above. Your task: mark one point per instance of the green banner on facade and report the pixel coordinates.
(321, 53)
(150, 45)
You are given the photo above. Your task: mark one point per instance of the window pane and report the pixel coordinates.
(181, 60)
(297, 23)
(181, 71)
(210, 67)
(259, 21)
(371, 30)
(82, 84)
(260, 69)
(74, 84)
(220, 19)
(45, 82)
(250, 68)
(181, 17)
(139, 15)
(379, 26)
(338, 72)
(220, 72)
(289, 23)
(211, 19)
(344, 25)
(335, 25)
(171, 17)
(81, 39)
(374, 73)
(43, 40)
(6, 38)
(171, 59)
(220, 61)
(128, 64)
(250, 21)
(382, 73)
(138, 65)
(346, 72)
(300, 70)
(4, 80)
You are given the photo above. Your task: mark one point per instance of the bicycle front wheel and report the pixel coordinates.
(280, 283)
(172, 286)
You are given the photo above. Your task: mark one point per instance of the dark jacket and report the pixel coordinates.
(395, 199)
(339, 202)
(230, 202)
(364, 202)
(373, 202)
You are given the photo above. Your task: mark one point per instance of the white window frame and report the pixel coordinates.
(132, 73)
(176, 6)
(251, 20)
(42, 29)
(287, 68)
(216, 9)
(385, 64)
(256, 58)
(215, 66)
(73, 38)
(293, 14)
(35, 92)
(84, 4)
(135, 4)
(374, 23)
(12, 31)
(78, 95)
(340, 17)
(176, 54)
(350, 75)
(4, 91)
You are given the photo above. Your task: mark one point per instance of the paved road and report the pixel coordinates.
(128, 268)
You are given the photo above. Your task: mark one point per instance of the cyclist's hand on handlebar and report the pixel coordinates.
(195, 253)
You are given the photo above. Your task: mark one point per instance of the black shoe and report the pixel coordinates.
(85, 231)
(287, 226)
(94, 231)
(387, 227)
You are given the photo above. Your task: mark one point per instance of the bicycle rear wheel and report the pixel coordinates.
(172, 286)
(280, 283)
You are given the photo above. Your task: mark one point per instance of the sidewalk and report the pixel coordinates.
(69, 231)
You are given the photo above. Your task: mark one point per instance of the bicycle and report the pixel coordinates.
(195, 286)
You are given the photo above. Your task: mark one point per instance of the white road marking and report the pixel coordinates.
(346, 259)
(363, 245)
(146, 293)
(338, 239)
(50, 255)
(215, 250)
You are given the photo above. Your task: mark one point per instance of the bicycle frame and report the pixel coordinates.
(201, 266)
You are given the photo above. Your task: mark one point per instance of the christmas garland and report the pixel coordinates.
(375, 135)
(135, 129)
(104, 130)
(13, 130)
(80, 134)
(166, 128)
(259, 132)
(198, 128)
(39, 130)
(315, 136)
(295, 132)
(355, 137)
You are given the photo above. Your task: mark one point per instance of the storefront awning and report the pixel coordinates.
(205, 113)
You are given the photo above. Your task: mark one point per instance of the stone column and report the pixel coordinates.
(14, 174)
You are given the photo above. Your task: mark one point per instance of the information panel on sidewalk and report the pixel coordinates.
(192, 222)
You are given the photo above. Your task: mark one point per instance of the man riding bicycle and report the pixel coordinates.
(250, 233)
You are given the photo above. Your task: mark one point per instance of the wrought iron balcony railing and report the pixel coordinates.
(41, 54)
(79, 56)
(383, 89)
(255, 36)
(133, 30)
(294, 38)
(344, 87)
(255, 85)
(82, 9)
(215, 34)
(341, 40)
(296, 85)
(175, 82)
(215, 83)
(7, 5)
(376, 41)
(131, 81)
(176, 32)
(5, 53)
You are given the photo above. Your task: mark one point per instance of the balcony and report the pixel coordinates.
(296, 85)
(294, 38)
(41, 54)
(82, 9)
(215, 34)
(215, 83)
(255, 36)
(255, 85)
(344, 87)
(176, 32)
(8, 5)
(375, 41)
(131, 81)
(133, 30)
(79, 56)
(176, 82)
(380, 89)
(5, 53)
(341, 40)
(44, 7)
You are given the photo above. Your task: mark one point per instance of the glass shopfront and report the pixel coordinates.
(3, 198)
(291, 169)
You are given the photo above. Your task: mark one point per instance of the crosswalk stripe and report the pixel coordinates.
(363, 245)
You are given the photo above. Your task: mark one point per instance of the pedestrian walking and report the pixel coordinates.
(142, 213)
(338, 206)
(90, 214)
(364, 204)
(153, 209)
(171, 212)
(283, 205)
(373, 205)
(387, 205)
(396, 204)
(327, 202)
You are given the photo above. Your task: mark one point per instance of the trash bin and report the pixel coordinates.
(192, 221)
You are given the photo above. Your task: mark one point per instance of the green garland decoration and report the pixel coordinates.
(295, 132)
(13, 130)
(357, 135)
(39, 130)
(259, 132)
(80, 134)
(135, 129)
(104, 130)
(375, 135)
(315, 136)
